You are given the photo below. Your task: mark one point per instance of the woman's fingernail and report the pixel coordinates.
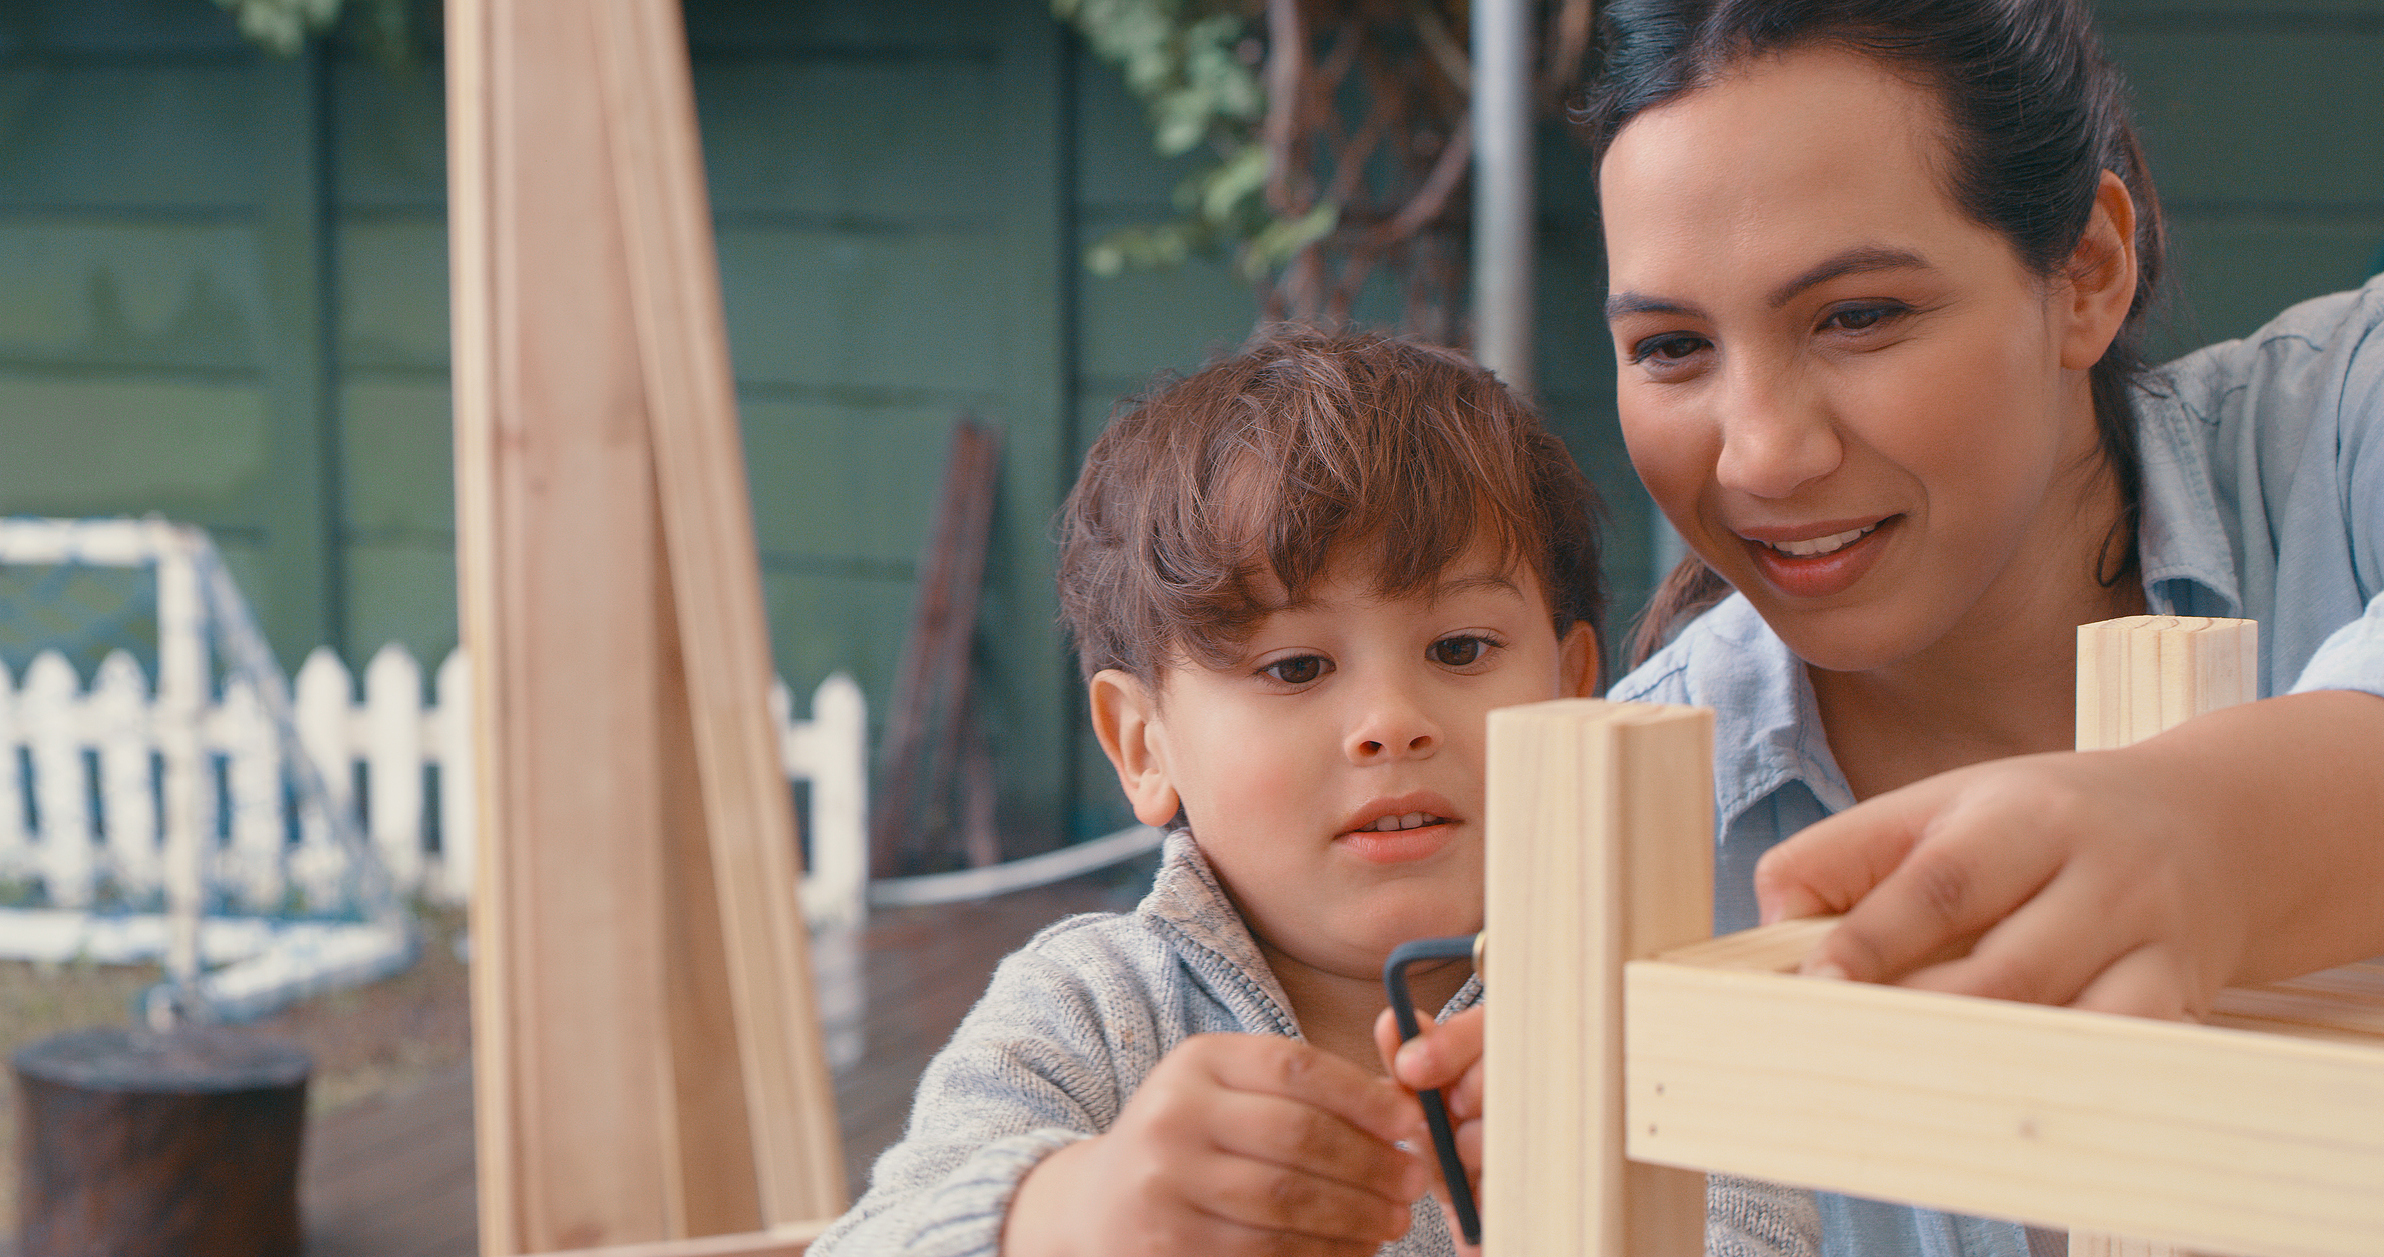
(1826, 969)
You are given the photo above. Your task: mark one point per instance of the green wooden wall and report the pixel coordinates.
(223, 297)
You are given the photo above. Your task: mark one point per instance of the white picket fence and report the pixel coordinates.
(99, 744)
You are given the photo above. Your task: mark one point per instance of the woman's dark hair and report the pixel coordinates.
(2034, 114)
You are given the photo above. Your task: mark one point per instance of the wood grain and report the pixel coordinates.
(559, 584)
(1600, 817)
(681, 338)
(2191, 1135)
(2139, 676)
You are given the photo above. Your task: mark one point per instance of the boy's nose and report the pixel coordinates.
(1392, 728)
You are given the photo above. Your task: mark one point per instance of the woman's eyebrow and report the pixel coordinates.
(1623, 303)
(1859, 260)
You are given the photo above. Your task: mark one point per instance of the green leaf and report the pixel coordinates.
(1221, 191)
(1284, 237)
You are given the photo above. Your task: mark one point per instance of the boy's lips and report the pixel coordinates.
(1398, 829)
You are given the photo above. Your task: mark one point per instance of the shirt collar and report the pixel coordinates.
(1187, 903)
(2180, 536)
(1767, 724)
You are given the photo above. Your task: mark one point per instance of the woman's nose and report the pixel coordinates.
(1776, 438)
(1391, 726)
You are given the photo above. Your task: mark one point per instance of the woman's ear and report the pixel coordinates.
(1577, 663)
(2102, 277)
(1126, 720)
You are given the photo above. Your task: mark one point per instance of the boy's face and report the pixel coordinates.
(1334, 773)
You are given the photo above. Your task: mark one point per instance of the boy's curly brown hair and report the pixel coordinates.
(1303, 449)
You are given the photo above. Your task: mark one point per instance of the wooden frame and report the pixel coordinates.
(2260, 1131)
(648, 1064)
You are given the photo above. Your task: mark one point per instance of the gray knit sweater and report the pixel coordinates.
(1068, 1028)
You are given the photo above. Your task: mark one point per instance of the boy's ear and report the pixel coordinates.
(1577, 663)
(1126, 720)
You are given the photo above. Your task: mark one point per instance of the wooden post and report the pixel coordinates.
(928, 730)
(2137, 677)
(1600, 820)
(647, 1063)
(156, 1145)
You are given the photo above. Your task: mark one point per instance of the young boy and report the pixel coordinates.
(1298, 580)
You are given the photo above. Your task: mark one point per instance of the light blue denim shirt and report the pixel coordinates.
(2263, 497)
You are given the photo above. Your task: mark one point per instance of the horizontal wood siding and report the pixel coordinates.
(902, 195)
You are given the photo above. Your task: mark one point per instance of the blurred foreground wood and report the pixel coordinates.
(393, 1177)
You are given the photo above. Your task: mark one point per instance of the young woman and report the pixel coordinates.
(1877, 268)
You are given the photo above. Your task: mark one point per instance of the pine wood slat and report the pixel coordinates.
(648, 101)
(2201, 1136)
(1600, 821)
(787, 1241)
(555, 510)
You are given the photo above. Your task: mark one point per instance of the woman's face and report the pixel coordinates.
(1848, 397)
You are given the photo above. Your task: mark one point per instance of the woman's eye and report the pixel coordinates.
(1668, 348)
(1459, 652)
(1860, 318)
(1297, 670)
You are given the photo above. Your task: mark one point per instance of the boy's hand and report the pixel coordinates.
(2238, 847)
(1447, 1055)
(1236, 1143)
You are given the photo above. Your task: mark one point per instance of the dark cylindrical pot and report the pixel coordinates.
(133, 1144)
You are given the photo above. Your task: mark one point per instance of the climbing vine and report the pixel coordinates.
(1336, 136)
(283, 26)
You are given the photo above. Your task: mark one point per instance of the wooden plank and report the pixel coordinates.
(2139, 676)
(580, 1121)
(926, 727)
(2182, 1134)
(711, 1160)
(787, 1241)
(647, 103)
(1600, 822)
(2144, 674)
(472, 376)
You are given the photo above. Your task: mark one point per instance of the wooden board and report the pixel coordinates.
(2139, 676)
(2193, 1135)
(559, 582)
(2144, 674)
(789, 1241)
(1600, 824)
(682, 337)
(928, 727)
(642, 1017)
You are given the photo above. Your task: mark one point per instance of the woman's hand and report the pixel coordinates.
(2245, 845)
(1446, 1055)
(1235, 1143)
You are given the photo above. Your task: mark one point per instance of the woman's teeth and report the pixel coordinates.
(1821, 545)
(1390, 824)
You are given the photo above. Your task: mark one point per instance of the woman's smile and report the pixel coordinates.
(1817, 561)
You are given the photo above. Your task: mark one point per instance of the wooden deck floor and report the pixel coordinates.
(393, 1177)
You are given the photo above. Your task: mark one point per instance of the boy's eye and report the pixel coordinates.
(1459, 652)
(1297, 670)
